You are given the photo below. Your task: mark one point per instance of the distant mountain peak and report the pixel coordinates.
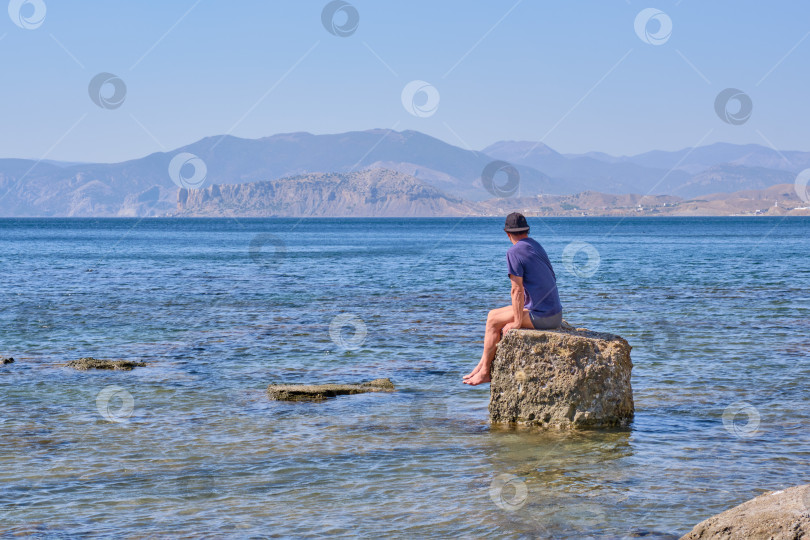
(521, 149)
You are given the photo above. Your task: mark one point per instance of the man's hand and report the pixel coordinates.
(509, 326)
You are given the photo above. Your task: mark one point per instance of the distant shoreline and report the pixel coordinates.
(381, 218)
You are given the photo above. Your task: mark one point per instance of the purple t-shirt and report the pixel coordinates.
(528, 259)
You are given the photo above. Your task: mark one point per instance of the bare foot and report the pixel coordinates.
(474, 371)
(480, 378)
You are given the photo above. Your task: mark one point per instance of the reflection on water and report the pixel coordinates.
(204, 451)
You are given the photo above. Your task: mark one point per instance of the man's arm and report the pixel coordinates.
(518, 300)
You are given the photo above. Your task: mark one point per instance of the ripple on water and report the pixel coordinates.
(715, 318)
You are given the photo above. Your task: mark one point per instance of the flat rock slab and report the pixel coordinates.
(776, 515)
(563, 378)
(83, 364)
(320, 392)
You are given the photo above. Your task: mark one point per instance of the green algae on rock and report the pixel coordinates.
(88, 362)
(563, 378)
(320, 392)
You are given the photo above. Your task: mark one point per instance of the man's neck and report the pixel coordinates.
(516, 239)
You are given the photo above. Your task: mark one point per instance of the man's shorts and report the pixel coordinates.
(546, 323)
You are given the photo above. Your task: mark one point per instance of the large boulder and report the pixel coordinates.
(563, 378)
(775, 515)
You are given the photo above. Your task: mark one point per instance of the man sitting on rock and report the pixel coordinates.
(535, 301)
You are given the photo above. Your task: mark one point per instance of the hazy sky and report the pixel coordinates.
(575, 75)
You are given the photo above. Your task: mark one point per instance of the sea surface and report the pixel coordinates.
(717, 311)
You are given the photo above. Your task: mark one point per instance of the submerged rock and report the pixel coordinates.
(563, 378)
(320, 392)
(83, 364)
(4, 361)
(774, 515)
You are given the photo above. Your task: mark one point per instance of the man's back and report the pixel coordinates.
(527, 259)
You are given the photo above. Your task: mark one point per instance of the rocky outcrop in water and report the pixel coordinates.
(777, 515)
(320, 392)
(564, 378)
(4, 361)
(83, 364)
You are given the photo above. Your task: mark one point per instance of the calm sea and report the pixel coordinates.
(717, 312)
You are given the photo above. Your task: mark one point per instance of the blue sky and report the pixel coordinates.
(572, 74)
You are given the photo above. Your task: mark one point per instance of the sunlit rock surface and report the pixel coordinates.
(777, 515)
(319, 392)
(563, 378)
(83, 364)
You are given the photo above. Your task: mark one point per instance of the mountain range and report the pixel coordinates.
(382, 192)
(369, 193)
(426, 167)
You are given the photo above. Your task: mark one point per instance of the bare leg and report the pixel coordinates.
(496, 320)
(494, 315)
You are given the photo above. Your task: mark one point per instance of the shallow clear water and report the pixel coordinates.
(716, 310)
